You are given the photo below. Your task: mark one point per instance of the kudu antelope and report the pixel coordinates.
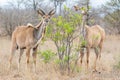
(94, 37)
(28, 37)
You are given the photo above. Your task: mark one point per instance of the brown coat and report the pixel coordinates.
(94, 36)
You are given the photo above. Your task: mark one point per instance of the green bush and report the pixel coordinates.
(63, 61)
(47, 55)
(62, 31)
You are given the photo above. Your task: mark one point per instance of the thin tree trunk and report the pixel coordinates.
(87, 15)
(60, 8)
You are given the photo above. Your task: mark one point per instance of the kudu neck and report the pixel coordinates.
(40, 28)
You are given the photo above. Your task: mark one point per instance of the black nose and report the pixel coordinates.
(46, 20)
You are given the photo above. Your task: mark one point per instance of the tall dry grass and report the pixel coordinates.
(50, 71)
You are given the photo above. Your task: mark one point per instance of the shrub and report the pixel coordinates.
(47, 55)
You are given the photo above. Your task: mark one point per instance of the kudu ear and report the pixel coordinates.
(52, 12)
(41, 12)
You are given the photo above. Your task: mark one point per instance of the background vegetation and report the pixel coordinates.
(21, 12)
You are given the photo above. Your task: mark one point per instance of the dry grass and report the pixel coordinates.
(110, 53)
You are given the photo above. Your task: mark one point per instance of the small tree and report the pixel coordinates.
(62, 32)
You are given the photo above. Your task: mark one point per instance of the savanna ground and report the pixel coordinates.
(110, 57)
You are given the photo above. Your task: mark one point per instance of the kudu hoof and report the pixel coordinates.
(95, 71)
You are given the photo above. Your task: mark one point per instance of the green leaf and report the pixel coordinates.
(59, 23)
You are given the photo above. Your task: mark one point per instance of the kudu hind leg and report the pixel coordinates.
(81, 55)
(13, 49)
(100, 49)
(97, 54)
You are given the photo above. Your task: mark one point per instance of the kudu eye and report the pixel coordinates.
(43, 16)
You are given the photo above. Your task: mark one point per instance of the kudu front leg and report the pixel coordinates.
(21, 53)
(81, 55)
(87, 57)
(13, 49)
(28, 57)
(34, 57)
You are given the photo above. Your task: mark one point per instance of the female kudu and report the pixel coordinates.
(28, 37)
(94, 38)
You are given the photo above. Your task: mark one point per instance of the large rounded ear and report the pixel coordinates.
(52, 12)
(41, 12)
